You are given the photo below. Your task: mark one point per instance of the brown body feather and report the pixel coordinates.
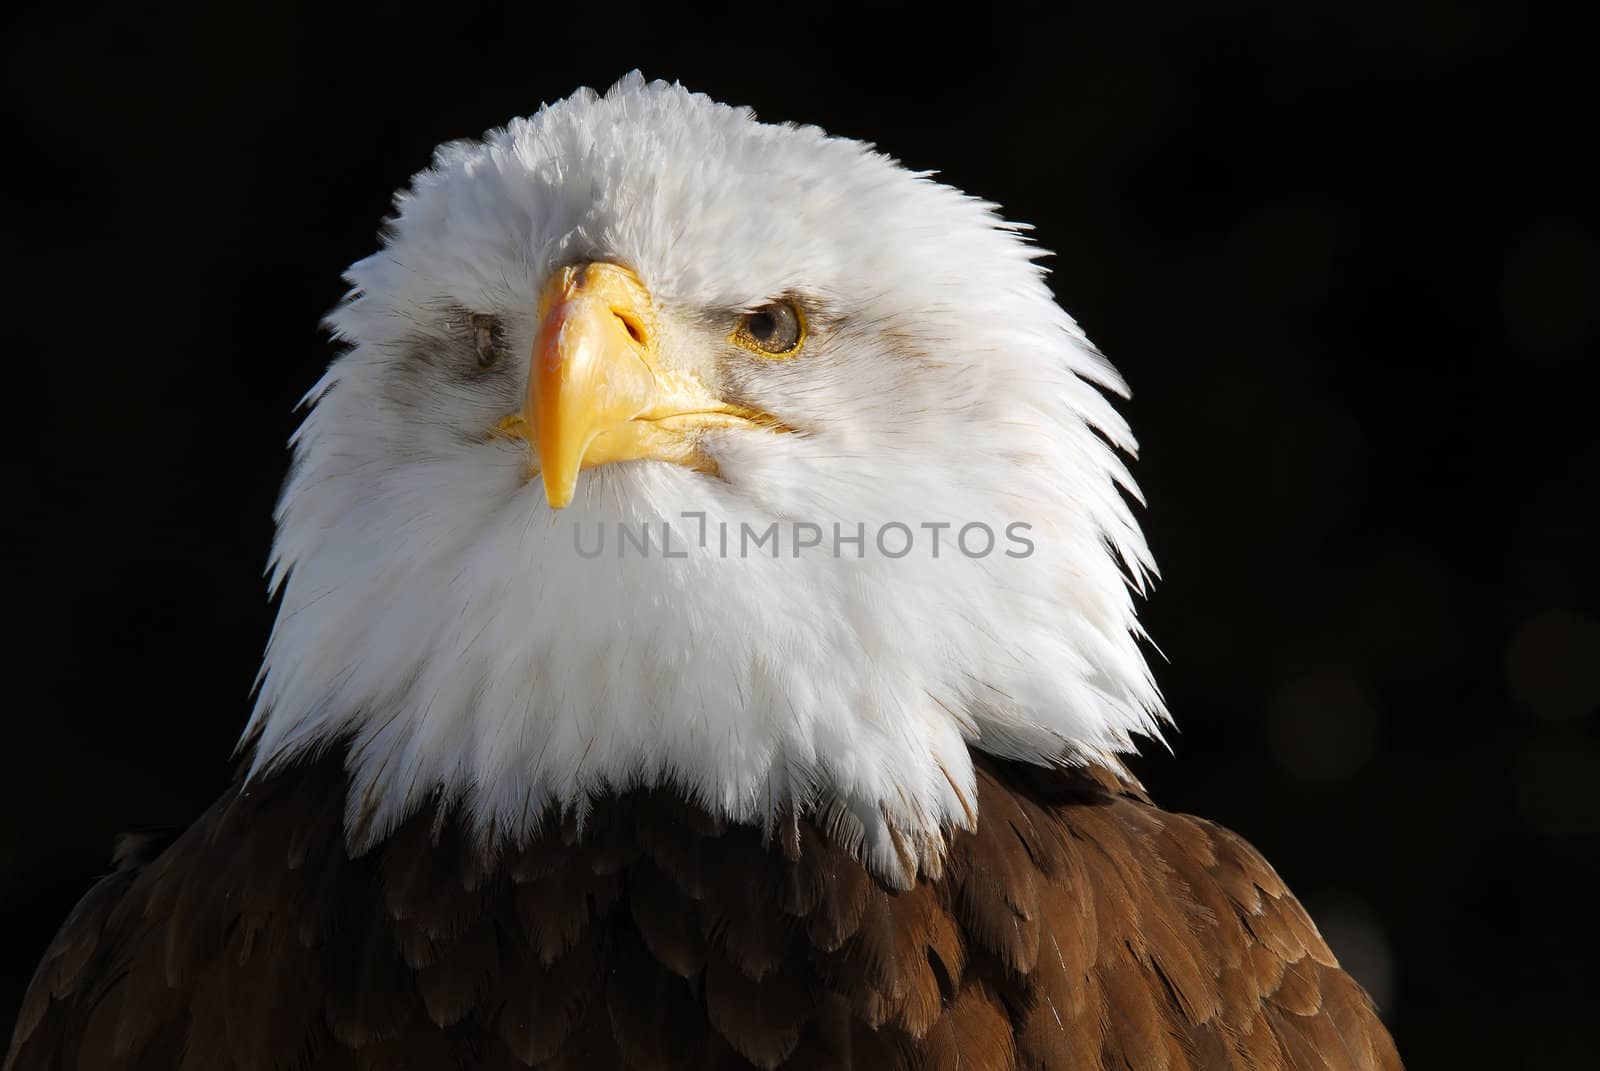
(1078, 927)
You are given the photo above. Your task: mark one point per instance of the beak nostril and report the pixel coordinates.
(634, 328)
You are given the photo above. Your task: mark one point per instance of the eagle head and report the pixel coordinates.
(672, 448)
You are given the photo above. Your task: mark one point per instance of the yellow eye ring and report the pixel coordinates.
(776, 330)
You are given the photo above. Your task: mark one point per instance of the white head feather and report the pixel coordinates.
(437, 614)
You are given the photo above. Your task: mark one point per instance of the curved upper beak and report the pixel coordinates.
(593, 369)
(597, 390)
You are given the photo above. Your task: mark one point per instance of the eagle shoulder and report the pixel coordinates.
(1164, 940)
(1077, 926)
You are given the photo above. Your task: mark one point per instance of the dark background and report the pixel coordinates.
(1343, 256)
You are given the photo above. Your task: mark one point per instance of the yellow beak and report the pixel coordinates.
(597, 391)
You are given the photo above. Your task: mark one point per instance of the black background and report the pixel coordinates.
(1342, 255)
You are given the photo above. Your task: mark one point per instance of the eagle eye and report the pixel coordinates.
(775, 330)
(487, 338)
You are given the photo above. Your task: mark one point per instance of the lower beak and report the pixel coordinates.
(597, 391)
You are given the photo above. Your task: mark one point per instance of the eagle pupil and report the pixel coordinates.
(773, 329)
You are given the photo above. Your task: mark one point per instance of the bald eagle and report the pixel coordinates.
(706, 639)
